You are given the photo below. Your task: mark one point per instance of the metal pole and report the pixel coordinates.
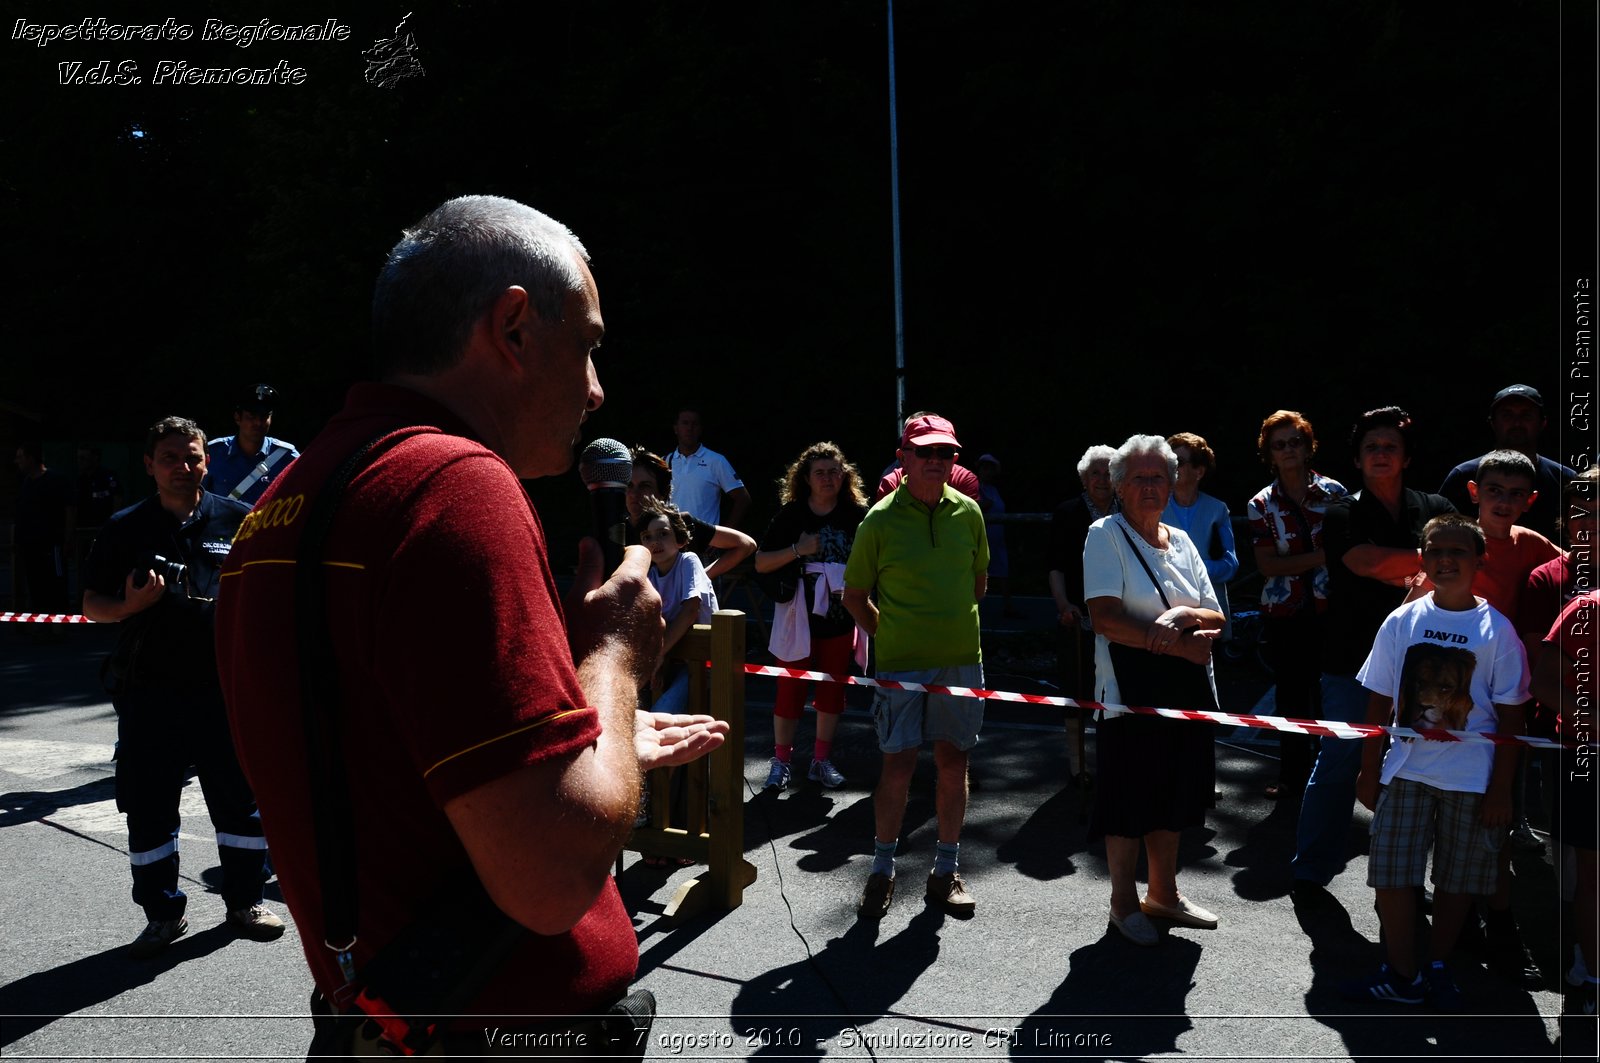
(894, 200)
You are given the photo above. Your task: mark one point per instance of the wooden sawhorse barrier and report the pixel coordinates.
(715, 783)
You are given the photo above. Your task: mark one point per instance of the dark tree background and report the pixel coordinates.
(1117, 217)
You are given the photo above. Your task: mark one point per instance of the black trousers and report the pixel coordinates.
(161, 733)
(1294, 650)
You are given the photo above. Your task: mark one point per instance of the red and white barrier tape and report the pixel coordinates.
(1324, 728)
(44, 618)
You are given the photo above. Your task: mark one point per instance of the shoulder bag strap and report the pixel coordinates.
(1143, 563)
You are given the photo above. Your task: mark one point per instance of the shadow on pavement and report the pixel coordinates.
(30, 806)
(44, 667)
(1043, 846)
(1095, 1008)
(33, 1002)
(775, 1012)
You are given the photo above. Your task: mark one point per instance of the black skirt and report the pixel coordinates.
(1153, 773)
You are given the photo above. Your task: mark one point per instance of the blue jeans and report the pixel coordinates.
(1330, 795)
(675, 698)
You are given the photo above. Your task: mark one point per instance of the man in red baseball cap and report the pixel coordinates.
(922, 550)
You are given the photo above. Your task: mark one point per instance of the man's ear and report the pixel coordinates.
(1533, 496)
(1472, 491)
(511, 321)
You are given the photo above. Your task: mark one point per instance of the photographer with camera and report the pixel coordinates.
(154, 569)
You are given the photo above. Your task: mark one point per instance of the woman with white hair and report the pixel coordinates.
(1155, 617)
(1069, 525)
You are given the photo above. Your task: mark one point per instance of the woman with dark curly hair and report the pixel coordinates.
(804, 552)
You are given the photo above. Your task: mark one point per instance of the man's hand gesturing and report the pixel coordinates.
(616, 622)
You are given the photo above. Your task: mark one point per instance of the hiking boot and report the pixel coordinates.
(876, 897)
(824, 772)
(1385, 986)
(157, 936)
(777, 776)
(1443, 993)
(256, 923)
(950, 893)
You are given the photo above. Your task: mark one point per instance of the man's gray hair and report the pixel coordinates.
(1139, 447)
(1098, 452)
(450, 267)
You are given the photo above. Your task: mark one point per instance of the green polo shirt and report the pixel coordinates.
(923, 565)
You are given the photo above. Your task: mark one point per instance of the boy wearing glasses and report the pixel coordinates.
(923, 550)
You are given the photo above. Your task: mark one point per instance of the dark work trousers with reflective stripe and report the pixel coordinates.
(161, 732)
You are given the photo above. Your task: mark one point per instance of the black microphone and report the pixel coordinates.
(607, 469)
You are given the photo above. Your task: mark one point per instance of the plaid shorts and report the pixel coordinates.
(1410, 818)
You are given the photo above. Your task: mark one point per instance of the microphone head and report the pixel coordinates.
(606, 463)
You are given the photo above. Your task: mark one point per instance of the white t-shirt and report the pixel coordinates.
(1112, 570)
(686, 579)
(1445, 668)
(699, 481)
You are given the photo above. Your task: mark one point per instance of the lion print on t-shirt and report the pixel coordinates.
(1436, 687)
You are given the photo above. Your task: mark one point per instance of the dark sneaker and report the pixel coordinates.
(1579, 1000)
(950, 893)
(875, 899)
(256, 923)
(1505, 954)
(1443, 993)
(155, 938)
(1385, 986)
(1310, 896)
(824, 772)
(1524, 838)
(777, 776)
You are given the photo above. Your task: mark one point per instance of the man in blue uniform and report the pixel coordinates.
(243, 465)
(154, 569)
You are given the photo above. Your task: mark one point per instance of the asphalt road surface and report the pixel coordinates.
(792, 974)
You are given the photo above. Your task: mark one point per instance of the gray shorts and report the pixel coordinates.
(907, 718)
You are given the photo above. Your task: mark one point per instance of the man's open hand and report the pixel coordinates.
(664, 740)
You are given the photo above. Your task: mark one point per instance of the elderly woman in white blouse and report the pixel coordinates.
(1155, 617)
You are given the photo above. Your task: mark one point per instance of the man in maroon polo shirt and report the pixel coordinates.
(489, 729)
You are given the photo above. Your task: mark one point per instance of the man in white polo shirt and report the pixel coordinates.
(701, 476)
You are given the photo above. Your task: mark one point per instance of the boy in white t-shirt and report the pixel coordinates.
(1447, 660)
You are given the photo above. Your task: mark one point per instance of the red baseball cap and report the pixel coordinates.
(930, 429)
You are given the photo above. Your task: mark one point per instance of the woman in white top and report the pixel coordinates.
(1155, 617)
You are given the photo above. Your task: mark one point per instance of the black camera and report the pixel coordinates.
(174, 572)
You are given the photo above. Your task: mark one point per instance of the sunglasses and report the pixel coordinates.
(1292, 443)
(943, 453)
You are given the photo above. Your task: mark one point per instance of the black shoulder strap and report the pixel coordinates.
(320, 704)
(1144, 564)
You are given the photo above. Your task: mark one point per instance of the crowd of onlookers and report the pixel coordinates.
(1456, 610)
